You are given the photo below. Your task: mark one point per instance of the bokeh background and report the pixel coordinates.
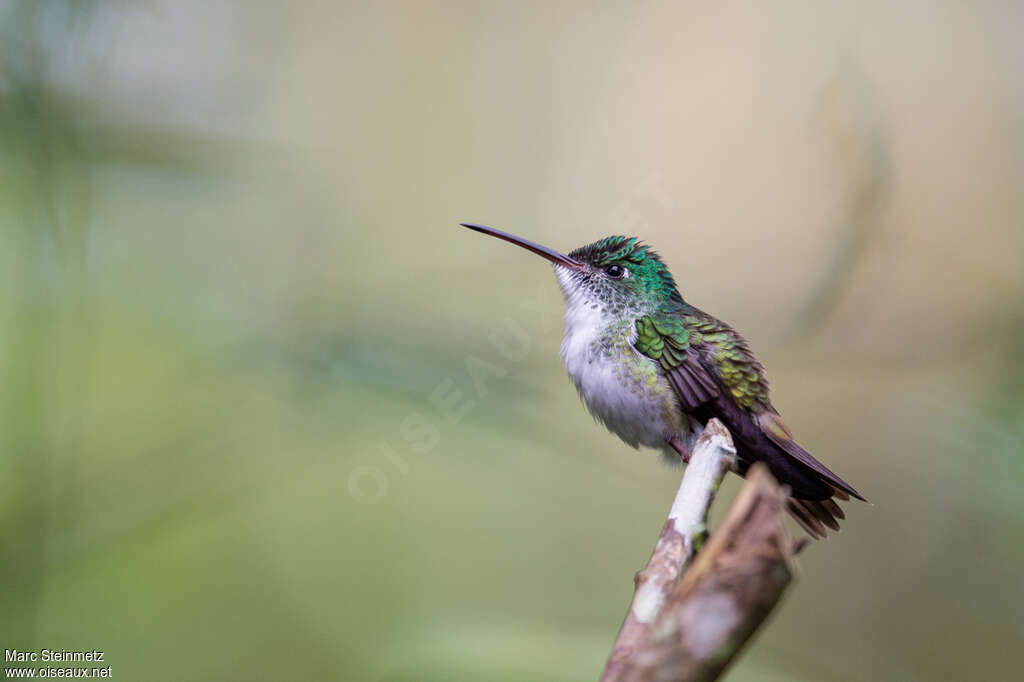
(267, 413)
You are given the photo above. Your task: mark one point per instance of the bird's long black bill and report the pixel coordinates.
(543, 251)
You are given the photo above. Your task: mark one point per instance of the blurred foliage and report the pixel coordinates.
(234, 300)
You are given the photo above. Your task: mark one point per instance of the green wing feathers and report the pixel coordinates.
(693, 350)
(737, 368)
(667, 340)
(663, 339)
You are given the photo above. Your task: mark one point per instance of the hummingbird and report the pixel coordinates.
(654, 369)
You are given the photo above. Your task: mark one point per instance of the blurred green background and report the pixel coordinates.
(267, 413)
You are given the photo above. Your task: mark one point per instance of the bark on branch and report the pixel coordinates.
(691, 615)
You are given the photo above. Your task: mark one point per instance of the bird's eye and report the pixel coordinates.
(615, 271)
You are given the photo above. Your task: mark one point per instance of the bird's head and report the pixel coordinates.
(617, 273)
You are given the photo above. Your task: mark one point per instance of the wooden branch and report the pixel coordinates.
(712, 457)
(690, 622)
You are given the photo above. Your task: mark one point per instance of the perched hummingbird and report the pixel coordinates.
(654, 369)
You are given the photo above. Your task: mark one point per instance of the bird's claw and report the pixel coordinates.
(684, 452)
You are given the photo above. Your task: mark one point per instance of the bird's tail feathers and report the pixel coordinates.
(814, 516)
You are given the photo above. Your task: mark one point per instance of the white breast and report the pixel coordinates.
(622, 388)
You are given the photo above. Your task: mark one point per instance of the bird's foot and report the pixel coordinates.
(684, 452)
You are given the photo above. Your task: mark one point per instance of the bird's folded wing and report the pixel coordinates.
(668, 342)
(713, 373)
